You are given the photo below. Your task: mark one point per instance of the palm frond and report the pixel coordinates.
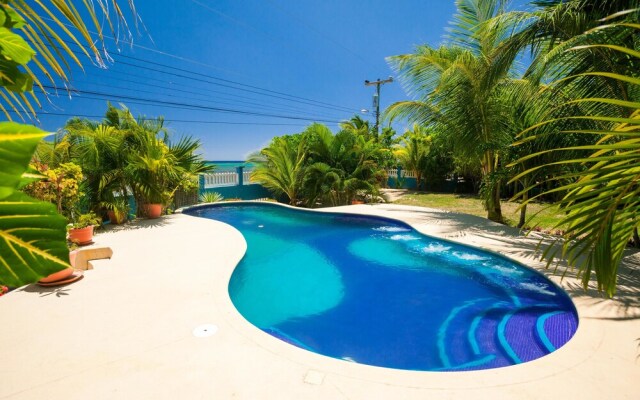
(602, 200)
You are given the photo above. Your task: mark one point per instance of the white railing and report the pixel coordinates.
(218, 179)
(246, 176)
(408, 174)
(226, 178)
(393, 173)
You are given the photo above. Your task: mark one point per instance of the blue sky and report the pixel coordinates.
(314, 54)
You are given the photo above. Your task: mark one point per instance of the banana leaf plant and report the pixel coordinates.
(32, 234)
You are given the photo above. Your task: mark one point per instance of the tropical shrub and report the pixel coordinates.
(280, 167)
(59, 186)
(316, 167)
(210, 197)
(413, 152)
(85, 220)
(124, 155)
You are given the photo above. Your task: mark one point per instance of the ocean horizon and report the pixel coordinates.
(228, 165)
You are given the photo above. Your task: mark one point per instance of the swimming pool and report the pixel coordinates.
(374, 291)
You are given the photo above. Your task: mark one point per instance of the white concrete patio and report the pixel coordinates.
(125, 330)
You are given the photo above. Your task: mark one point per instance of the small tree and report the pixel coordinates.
(59, 186)
(413, 151)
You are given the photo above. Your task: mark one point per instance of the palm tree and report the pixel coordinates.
(358, 126)
(340, 165)
(280, 167)
(124, 154)
(602, 201)
(457, 87)
(151, 169)
(525, 104)
(558, 25)
(413, 151)
(101, 150)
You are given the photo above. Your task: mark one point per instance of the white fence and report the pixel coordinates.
(246, 176)
(225, 178)
(393, 173)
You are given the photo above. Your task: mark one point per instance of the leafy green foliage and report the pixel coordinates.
(602, 200)
(32, 233)
(59, 186)
(122, 154)
(210, 197)
(46, 40)
(85, 220)
(280, 167)
(316, 167)
(414, 151)
(457, 86)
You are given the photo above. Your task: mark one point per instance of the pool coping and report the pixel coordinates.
(127, 328)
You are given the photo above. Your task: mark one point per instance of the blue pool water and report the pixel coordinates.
(374, 291)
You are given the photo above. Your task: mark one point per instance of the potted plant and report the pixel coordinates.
(153, 204)
(117, 210)
(81, 231)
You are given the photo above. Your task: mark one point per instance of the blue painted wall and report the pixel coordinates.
(448, 186)
(244, 192)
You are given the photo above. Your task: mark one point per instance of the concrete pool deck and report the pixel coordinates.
(125, 331)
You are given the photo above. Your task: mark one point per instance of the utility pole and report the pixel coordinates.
(376, 99)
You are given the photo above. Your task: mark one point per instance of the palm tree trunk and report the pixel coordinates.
(494, 211)
(523, 210)
(525, 197)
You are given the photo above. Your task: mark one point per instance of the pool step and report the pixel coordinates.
(499, 334)
(517, 335)
(475, 346)
(554, 329)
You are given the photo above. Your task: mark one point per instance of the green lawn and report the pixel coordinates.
(546, 219)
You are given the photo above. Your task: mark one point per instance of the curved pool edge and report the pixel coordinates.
(575, 352)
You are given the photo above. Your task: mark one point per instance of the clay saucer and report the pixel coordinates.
(75, 276)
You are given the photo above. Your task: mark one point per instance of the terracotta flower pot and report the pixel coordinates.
(116, 217)
(58, 276)
(357, 202)
(81, 236)
(152, 210)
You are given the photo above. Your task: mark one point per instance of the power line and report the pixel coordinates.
(172, 120)
(254, 105)
(275, 94)
(304, 101)
(173, 104)
(229, 96)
